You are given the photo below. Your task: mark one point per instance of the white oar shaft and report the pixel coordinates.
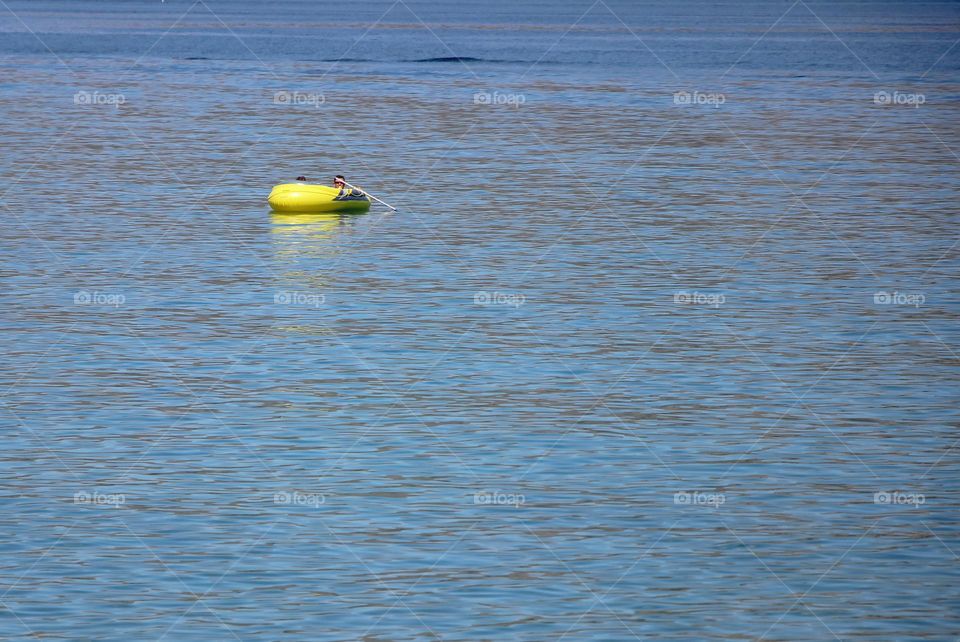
(370, 195)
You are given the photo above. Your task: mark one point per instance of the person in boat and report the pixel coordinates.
(347, 192)
(338, 181)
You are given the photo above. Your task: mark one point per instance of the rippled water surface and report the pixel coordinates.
(662, 342)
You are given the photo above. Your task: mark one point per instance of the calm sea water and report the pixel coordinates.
(661, 344)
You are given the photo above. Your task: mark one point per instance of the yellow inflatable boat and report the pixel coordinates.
(309, 198)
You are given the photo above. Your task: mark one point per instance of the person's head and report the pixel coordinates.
(339, 181)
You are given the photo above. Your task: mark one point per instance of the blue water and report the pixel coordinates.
(662, 342)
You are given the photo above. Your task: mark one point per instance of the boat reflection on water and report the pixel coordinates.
(306, 249)
(315, 222)
(304, 236)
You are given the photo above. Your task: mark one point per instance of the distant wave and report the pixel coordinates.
(441, 59)
(451, 59)
(469, 59)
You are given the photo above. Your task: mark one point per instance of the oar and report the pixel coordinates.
(370, 195)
